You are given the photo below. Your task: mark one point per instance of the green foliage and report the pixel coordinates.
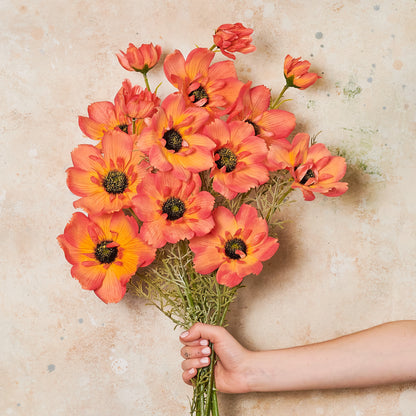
(171, 284)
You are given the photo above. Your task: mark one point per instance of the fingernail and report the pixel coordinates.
(204, 360)
(184, 334)
(203, 342)
(206, 350)
(191, 371)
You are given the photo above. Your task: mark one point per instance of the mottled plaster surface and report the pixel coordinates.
(344, 264)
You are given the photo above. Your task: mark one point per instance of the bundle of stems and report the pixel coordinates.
(171, 284)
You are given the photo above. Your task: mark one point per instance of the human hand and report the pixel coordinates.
(233, 360)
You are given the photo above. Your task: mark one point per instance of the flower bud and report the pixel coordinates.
(296, 73)
(140, 59)
(234, 38)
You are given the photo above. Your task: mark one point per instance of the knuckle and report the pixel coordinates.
(198, 326)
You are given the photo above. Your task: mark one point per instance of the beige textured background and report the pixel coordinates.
(345, 264)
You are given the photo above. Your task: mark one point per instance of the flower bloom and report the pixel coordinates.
(239, 157)
(214, 87)
(252, 106)
(236, 246)
(313, 168)
(137, 103)
(296, 73)
(130, 103)
(140, 59)
(105, 251)
(234, 38)
(103, 116)
(172, 210)
(172, 139)
(106, 182)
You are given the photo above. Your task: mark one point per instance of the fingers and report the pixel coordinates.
(188, 375)
(202, 332)
(188, 351)
(190, 366)
(198, 342)
(195, 363)
(195, 350)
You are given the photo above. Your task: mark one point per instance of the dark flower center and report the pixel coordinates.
(173, 140)
(115, 182)
(124, 127)
(255, 127)
(174, 207)
(309, 174)
(105, 254)
(199, 94)
(233, 245)
(226, 158)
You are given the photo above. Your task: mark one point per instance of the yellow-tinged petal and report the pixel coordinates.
(111, 291)
(197, 62)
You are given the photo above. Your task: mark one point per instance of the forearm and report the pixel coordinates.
(381, 355)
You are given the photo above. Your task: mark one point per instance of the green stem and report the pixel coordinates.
(146, 81)
(275, 204)
(277, 100)
(210, 382)
(200, 408)
(213, 47)
(214, 400)
(284, 195)
(133, 214)
(211, 401)
(188, 296)
(182, 253)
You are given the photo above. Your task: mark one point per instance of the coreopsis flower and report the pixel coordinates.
(234, 38)
(140, 59)
(105, 252)
(213, 87)
(236, 246)
(239, 157)
(137, 103)
(172, 139)
(287, 155)
(103, 116)
(297, 73)
(172, 210)
(313, 168)
(252, 106)
(106, 181)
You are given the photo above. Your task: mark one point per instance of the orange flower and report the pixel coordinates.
(137, 103)
(214, 87)
(239, 157)
(234, 38)
(236, 246)
(103, 116)
(296, 73)
(286, 155)
(172, 210)
(252, 106)
(172, 140)
(105, 251)
(313, 168)
(140, 59)
(129, 103)
(106, 182)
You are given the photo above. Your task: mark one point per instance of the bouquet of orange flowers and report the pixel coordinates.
(182, 195)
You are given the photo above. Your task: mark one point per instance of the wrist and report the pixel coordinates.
(259, 373)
